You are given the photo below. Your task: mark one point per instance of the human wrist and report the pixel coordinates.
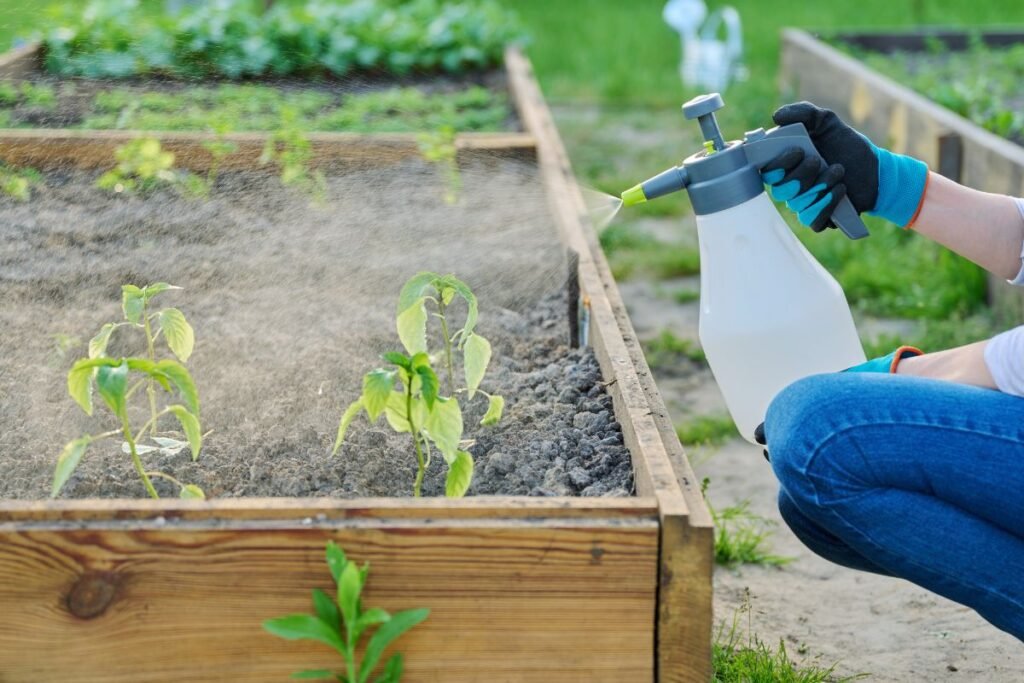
(891, 363)
(902, 181)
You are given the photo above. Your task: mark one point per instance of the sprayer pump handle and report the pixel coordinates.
(761, 147)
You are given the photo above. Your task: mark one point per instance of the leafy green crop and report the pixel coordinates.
(289, 147)
(111, 379)
(439, 148)
(142, 166)
(342, 622)
(417, 407)
(235, 39)
(17, 183)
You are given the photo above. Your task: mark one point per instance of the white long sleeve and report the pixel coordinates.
(1019, 280)
(1004, 356)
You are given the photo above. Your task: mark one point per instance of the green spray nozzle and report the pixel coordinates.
(666, 182)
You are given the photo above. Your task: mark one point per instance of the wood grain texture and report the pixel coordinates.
(94, 149)
(986, 161)
(510, 601)
(684, 591)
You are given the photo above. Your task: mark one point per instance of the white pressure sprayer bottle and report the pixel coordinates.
(769, 312)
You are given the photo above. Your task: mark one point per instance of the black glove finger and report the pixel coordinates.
(824, 219)
(815, 119)
(799, 180)
(785, 162)
(759, 435)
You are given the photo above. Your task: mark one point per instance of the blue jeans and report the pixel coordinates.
(908, 477)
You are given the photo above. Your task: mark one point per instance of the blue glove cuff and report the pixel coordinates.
(901, 183)
(887, 363)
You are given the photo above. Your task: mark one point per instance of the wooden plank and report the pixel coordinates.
(919, 41)
(89, 149)
(538, 603)
(683, 621)
(21, 62)
(319, 510)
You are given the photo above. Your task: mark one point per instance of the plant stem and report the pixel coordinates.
(416, 441)
(135, 458)
(447, 344)
(150, 388)
(350, 652)
(151, 422)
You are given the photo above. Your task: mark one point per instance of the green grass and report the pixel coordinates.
(669, 349)
(741, 537)
(685, 295)
(738, 657)
(709, 430)
(632, 253)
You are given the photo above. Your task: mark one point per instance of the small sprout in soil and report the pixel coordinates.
(416, 408)
(111, 379)
(142, 166)
(741, 536)
(219, 148)
(439, 148)
(17, 183)
(342, 622)
(289, 147)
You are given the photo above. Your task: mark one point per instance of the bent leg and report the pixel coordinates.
(918, 478)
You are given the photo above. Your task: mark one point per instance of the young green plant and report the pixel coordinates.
(341, 623)
(17, 183)
(110, 377)
(439, 291)
(416, 408)
(142, 166)
(439, 148)
(289, 147)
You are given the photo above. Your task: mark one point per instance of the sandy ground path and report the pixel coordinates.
(888, 628)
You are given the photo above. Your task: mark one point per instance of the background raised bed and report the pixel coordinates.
(908, 122)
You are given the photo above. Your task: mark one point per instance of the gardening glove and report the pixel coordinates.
(887, 363)
(877, 181)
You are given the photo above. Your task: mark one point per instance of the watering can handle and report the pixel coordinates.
(761, 147)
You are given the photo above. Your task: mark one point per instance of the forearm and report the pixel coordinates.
(965, 365)
(985, 228)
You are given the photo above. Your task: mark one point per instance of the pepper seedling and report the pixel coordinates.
(418, 409)
(341, 624)
(110, 377)
(440, 291)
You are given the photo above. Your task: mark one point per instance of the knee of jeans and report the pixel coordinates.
(795, 426)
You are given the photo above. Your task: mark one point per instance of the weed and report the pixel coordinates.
(741, 536)
(439, 148)
(110, 377)
(668, 349)
(709, 430)
(17, 183)
(739, 659)
(342, 622)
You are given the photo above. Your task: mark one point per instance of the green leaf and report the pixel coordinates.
(326, 609)
(152, 290)
(336, 560)
(377, 386)
(179, 334)
(460, 475)
(191, 492)
(372, 617)
(429, 385)
(112, 382)
(181, 379)
(412, 327)
(447, 294)
(67, 461)
(98, 344)
(399, 624)
(133, 300)
(444, 426)
(305, 627)
(189, 425)
(476, 353)
(395, 412)
(472, 311)
(313, 674)
(399, 359)
(392, 671)
(415, 288)
(346, 419)
(349, 587)
(495, 407)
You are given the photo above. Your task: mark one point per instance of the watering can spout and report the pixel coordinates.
(666, 182)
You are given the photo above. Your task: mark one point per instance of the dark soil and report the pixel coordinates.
(75, 96)
(292, 303)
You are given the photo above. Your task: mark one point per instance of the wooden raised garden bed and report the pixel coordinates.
(520, 588)
(906, 121)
